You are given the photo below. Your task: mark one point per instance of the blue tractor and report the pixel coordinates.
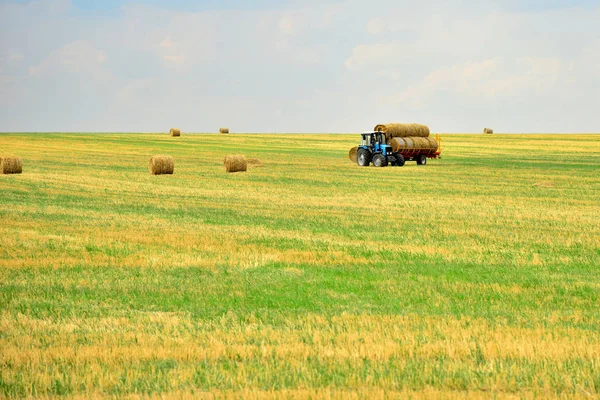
(373, 148)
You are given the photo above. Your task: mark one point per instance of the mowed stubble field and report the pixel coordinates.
(478, 274)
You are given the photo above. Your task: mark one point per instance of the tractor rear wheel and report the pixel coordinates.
(363, 158)
(379, 160)
(421, 160)
(399, 160)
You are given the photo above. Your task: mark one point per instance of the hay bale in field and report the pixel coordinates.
(175, 132)
(11, 165)
(393, 130)
(235, 163)
(254, 162)
(408, 144)
(352, 154)
(162, 165)
(488, 131)
(223, 130)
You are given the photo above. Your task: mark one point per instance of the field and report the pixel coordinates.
(477, 275)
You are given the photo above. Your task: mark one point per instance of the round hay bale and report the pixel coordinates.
(235, 163)
(398, 144)
(162, 165)
(434, 145)
(488, 131)
(393, 130)
(421, 143)
(254, 162)
(175, 132)
(11, 165)
(422, 130)
(352, 154)
(223, 130)
(410, 144)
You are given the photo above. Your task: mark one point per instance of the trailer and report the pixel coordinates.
(417, 149)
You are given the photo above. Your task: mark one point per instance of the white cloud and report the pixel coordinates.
(286, 25)
(376, 25)
(179, 41)
(178, 60)
(330, 13)
(16, 58)
(306, 56)
(78, 57)
(166, 42)
(297, 22)
(173, 52)
(540, 73)
(377, 55)
(282, 45)
(296, 54)
(133, 92)
(488, 78)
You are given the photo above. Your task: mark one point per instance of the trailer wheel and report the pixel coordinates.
(399, 160)
(379, 160)
(363, 158)
(421, 160)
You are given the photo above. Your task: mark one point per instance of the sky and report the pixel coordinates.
(517, 66)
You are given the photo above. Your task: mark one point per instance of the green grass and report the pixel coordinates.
(309, 277)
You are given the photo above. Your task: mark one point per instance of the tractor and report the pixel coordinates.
(374, 148)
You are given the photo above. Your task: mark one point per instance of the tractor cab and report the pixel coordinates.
(374, 140)
(373, 147)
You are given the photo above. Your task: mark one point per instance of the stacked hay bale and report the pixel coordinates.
(488, 131)
(426, 145)
(175, 132)
(162, 165)
(11, 165)
(393, 130)
(223, 130)
(235, 163)
(408, 137)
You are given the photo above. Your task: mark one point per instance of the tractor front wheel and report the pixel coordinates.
(379, 160)
(399, 160)
(363, 158)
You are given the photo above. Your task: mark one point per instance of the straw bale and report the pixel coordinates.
(235, 163)
(488, 131)
(162, 165)
(175, 132)
(425, 145)
(352, 154)
(393, 130)
(223, 130)
(11, 165)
